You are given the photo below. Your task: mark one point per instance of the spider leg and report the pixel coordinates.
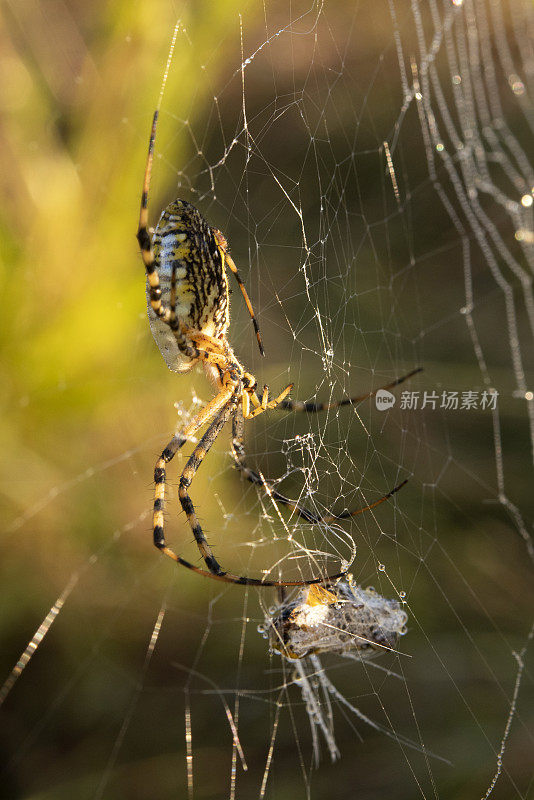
(262, 405)
(143, 236)
(230, 261)
(312, 407)
(238, 451)
(208, 343)
(177, 441)
(215, 570)
(228, 577)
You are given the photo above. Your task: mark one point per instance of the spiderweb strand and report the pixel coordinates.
(168, 65)
(519, 657)
(37, 638)
(391, 170)
(131, 706)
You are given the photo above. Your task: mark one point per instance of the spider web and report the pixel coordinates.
(371, 168)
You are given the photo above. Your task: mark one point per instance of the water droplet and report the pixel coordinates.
(524, 235)
(516, 84)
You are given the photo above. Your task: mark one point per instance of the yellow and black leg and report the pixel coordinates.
(230, 262)
(160, 470)
(214, 569)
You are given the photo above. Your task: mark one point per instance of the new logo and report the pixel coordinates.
(384, 400)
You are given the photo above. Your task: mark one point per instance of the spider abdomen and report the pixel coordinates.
(192, 279)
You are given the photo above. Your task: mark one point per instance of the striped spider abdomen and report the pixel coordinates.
(188, 256)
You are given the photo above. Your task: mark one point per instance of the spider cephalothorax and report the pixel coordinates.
(188, 295)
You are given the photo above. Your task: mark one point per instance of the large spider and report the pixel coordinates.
(187, 289)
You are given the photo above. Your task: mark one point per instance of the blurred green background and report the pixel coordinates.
(351, 290)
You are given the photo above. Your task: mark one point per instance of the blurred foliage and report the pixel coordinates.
(87, 405)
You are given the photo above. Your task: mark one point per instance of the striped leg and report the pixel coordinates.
(214, 569)
(143, 237)
(261, 405)
(160, 473)
(230, 261)
(238, 452)
(312, 408)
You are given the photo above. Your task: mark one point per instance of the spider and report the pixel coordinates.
(188, 294)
